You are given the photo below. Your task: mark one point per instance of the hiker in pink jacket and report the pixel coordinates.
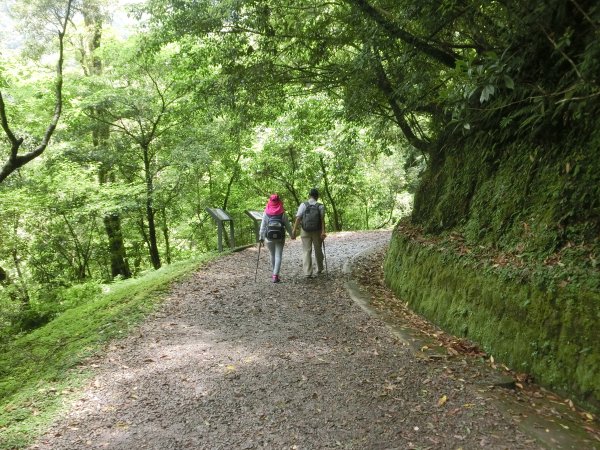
(274, 224)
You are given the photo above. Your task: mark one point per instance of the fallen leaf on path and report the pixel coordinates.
(522, 377)
(442, 401)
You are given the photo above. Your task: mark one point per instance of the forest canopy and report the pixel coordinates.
(114, 143)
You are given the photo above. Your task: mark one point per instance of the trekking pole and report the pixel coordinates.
(325, 257)
(257, 260)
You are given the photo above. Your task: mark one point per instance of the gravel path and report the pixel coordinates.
(229, 363)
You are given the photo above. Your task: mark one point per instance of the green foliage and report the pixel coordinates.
(549, 213)
(536, 79)
(28, 94)
(222, 103)
(313, 146)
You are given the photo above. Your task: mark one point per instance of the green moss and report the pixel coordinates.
(534, 197)
(549, 333)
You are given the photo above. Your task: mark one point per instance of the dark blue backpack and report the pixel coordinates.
(275, 227)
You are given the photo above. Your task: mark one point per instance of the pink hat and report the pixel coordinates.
(274, 206)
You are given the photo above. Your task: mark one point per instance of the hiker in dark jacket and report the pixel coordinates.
(274, 224)
(311, 217)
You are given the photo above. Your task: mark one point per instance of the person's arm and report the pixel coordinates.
(296, 223)
(288, 226)
(263, 228)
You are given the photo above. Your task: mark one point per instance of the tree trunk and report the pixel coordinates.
(78, 262)
(118, 262)
(150, 213)
(116, 244)
(4, 278)
(165, 232)
(337, 223)
(234, 176)
(92, 65)
(23, 288)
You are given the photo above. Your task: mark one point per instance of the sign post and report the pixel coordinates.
(221, 217)
(256, 217)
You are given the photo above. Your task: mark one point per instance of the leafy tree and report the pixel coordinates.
(140, 102)
(61, 16)
(89, 38)
(311, 146)
(220, 113)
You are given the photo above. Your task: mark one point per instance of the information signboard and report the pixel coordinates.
(218, 214)
(256, 217)
(221, 217)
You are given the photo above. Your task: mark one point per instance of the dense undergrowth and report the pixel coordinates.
(536, 199)
(38, 370)
(503, 248)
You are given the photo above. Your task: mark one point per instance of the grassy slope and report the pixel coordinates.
(37, 370)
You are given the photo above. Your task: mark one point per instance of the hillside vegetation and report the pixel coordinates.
(503, 243)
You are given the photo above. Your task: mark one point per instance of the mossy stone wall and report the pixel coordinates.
(532, 197)
(552, 334)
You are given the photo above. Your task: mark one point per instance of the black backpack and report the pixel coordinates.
(275, 228)
(311, 219)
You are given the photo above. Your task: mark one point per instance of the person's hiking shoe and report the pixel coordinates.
(276, 279)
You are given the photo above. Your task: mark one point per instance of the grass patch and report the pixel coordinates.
(37, 379)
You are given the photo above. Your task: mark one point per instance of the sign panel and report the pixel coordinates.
(256, 215)
(218, 214)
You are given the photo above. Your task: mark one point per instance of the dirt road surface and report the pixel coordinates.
(230, 363)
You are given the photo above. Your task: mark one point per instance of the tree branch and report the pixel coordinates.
(447, 58)
(11, 137)
(16, 161)
(386, 88)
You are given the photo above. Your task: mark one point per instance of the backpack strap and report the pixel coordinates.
(318, 205)
(319, 208)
